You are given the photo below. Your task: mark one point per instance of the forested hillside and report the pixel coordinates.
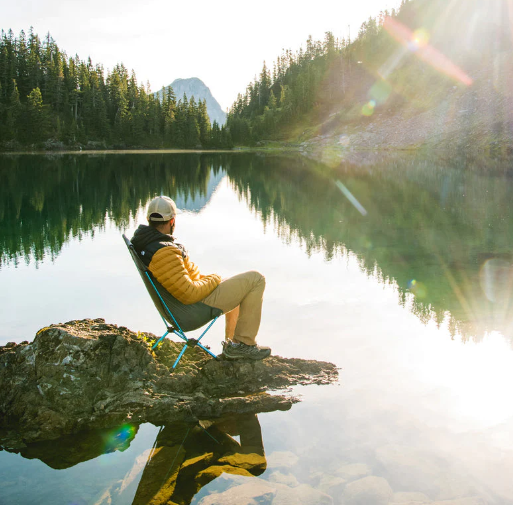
(50, 100)
(401, 64)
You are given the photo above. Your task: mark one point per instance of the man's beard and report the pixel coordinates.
(172, 229)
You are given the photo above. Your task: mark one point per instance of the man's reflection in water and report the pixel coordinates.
(185, 458)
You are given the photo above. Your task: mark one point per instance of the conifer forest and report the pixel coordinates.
(48, 99)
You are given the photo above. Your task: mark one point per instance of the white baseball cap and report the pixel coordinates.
(161, 208)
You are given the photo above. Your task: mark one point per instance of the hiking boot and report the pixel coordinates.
(244, 351)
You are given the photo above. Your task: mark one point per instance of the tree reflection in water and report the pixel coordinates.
(440, 231)
(46, 201)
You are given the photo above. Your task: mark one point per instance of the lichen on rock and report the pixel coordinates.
(89, 374)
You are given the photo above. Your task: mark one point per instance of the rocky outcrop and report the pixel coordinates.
(89, 375)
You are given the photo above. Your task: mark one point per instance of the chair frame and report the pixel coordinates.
(177, 330)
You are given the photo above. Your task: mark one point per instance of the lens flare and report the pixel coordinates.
(357, 205)
(417, 288)
(496, 279)
(421, 37)
(120, 438)
(417, 42)
(368, 108)
(380, 91)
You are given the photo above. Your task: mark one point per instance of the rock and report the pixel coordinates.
(282, 478)
(334, 486)
(328, 483)
(368, 491)
(281, 459)
(89, 374)
(301, 495)
(353, 471)
(252, 493)
(54, 145)
(258, 491)
(410, 498)
(417, 470)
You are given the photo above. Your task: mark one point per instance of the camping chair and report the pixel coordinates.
(177, 316)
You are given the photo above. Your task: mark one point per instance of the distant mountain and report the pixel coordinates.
(197, 88)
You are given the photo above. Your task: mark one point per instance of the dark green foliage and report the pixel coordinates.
(47, 96)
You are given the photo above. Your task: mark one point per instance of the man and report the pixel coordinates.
(239, 297)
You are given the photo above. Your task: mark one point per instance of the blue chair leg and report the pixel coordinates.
(159, 340)
(180, 356)
(183, 337)
(208, 351)
(203, 334)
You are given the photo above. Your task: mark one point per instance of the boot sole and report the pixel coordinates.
(235, 358)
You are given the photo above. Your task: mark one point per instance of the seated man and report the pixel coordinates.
(239, 297)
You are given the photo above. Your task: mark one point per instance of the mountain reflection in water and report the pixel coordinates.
(438, 230)
(47, 200)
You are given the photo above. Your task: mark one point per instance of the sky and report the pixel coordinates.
(224, 43)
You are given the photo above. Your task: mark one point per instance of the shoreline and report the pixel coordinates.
(115, 151)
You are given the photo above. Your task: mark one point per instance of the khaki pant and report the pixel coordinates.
(245, 291)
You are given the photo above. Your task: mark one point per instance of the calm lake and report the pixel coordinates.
(397, 270)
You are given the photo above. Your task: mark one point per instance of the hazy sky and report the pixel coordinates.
(224, 43)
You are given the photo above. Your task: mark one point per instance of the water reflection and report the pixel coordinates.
(47, 200)
(439, 230)
(184, 458)
(70, 451)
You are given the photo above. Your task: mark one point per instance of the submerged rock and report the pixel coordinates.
(368, 491)
(262, 491)
(88, 374)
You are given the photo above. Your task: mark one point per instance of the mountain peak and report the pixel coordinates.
(195, 87)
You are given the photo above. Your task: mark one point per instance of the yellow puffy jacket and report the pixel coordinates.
(180, 276)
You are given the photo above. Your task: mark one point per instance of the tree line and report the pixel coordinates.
(48, 98)
(341, 80)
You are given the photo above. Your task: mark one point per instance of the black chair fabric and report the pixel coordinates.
(189, 317)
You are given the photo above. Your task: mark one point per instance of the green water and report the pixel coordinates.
(397, 269)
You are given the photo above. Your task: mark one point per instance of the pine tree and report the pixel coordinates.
(264, 88)
(13, 113)
(169, 114)
(204, 124)
(192, 131)
(35, 125)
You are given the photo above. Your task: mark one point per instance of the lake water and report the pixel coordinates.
(398, 270)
